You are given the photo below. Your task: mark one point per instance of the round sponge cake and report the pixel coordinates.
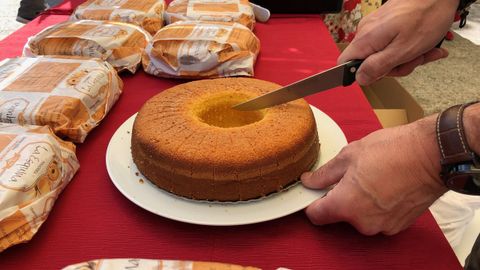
(189, 141)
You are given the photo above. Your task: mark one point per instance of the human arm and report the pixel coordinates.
(400, 36)
(387, 179)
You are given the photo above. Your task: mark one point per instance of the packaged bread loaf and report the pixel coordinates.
(147, 14)
(71, 96)
(121, 44)
(146, 264)
(35, 166)
(238, 11)
(189, 49)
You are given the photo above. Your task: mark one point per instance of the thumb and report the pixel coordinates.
(328, 174)
(325, 210)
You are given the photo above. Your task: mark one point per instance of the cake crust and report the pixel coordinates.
(180, 152)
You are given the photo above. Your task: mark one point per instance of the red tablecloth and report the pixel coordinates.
(91, 219)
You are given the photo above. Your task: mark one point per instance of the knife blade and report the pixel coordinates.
(341, 75)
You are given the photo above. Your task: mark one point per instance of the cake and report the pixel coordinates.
(188, 141)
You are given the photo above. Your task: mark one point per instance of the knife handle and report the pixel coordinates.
(350, 70)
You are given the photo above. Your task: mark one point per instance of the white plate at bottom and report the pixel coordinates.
(133, 185)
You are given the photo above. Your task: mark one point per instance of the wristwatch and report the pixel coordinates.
(463, 11)
(460, 165)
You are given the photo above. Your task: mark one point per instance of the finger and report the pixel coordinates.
(435, 54)
(407, 68)
(328, 174)
(430, 56)
(325, 210)
(377, 65)
(383, 62)
(357, 49)
(365, 44)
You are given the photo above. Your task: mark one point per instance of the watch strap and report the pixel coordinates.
(462, 11)
(451, 138)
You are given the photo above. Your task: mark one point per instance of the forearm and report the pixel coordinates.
(424, 131)
(471, 122)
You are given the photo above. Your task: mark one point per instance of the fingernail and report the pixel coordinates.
(306, 175)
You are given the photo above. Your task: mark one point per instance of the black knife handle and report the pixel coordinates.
(350, 70)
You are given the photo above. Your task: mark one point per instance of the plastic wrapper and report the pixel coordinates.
(35, 166)
(198, 50)
(71, 96)
(144, 264)
(120, 44)
(238, 11)
(147, 14)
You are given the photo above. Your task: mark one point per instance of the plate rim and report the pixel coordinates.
(180, 218)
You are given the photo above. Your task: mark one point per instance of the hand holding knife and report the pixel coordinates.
(341, 75)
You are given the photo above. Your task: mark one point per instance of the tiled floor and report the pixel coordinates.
(8, 14)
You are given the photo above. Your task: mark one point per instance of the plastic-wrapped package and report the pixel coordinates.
(194, 49)
(147, 14)
(120, 44)
(71, 96)
(238, 11)
(146, 264)
(35, 166)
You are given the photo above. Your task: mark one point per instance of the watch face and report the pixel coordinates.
(464, 181)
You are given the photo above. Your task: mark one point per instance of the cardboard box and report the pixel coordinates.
(392, 103)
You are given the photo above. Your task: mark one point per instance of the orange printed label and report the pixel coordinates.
(6, 139)
(42, 77)
(12, 111)
(22, 168)
(110, 3)
(215, 7)
(98, 14)
(74, 29)
(175, 32)
(107, 30)
(68, 113)
(88, 82)
(144, 5)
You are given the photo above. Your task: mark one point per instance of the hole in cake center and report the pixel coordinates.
(218, 112)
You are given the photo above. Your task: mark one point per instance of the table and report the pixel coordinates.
(91, 219)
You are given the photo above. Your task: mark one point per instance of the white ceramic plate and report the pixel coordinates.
(136, 188)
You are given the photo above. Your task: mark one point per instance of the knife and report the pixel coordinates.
(341, 75)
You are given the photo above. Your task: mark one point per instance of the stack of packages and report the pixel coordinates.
(42, 99)
(62, 94)
(204, 39)
(72, 83)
